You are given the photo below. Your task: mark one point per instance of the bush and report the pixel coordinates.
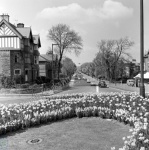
(23, 86)
(19, 79)
(42, 79)
(7, 82)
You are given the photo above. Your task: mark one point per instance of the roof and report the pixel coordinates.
(45, 57)
(25, 31)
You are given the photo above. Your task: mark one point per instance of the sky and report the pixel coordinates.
(94, 20)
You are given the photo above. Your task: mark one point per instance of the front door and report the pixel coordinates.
(26, 75)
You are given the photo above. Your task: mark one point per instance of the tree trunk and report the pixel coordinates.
(59, 66)
(59, 69)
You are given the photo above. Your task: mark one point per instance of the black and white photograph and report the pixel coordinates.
(74, 75)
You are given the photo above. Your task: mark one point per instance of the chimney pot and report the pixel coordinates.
(20, 25)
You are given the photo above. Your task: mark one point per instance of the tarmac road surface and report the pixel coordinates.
(77, 86)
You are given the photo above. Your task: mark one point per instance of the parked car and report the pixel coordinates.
(102, 84)
(130, 82)
(88, 81)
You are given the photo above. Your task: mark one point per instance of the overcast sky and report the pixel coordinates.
(94, 20)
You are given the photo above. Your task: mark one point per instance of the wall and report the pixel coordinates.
(42, 69)
(5, 62)
(19, 64)
(146, 61)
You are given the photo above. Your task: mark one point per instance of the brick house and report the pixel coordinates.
(19, 51)
(45, 65)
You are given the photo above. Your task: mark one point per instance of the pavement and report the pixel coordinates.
(128, 88)
(124, 87)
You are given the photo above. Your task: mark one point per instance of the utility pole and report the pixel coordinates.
(52, 62)
(142, 88)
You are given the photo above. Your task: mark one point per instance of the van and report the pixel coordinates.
(130, 82)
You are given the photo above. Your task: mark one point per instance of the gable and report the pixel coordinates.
(8, 39)
(6, 31)
(9, 36)
(7, 27)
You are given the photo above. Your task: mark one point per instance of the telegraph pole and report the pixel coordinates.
(142, 88)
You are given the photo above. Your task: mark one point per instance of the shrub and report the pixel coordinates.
(7, 82)
(19, 79)
(23, 86)
(42, 79)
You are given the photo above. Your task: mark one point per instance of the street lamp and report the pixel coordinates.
(142, 88)
(52, 60)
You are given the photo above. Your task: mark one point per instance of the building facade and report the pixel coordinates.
(48, 67)
(146, 62)
(19, 51)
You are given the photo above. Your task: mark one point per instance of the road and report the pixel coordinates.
(81, 86)
(78, 86)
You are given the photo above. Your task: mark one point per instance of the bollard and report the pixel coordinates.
(97, 89)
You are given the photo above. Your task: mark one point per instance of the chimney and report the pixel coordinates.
(4, 16)
(20, 25)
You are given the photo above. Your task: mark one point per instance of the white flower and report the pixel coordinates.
(142, 148)
(124, 138)
(145, 119)
(146, 141)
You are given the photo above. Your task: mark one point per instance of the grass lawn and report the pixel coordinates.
(72, 134)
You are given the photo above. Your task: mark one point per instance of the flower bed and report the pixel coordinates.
(128, 108)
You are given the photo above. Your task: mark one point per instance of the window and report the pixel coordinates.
(36, 60)
(16, 58)
(27, 58)
(17, 72)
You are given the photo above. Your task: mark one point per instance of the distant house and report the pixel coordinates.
(19, 50)
(132, 68)
(146, 62)
(45, 65)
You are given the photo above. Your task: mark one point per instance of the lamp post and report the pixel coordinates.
(52, 60)
(142, 88)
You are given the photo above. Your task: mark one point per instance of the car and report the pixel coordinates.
(102, 84)
(130, 82)
(88, 81)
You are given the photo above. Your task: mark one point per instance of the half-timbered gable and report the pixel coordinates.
(9, 37)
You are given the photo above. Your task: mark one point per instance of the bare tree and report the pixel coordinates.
(110, 53)
(66, 39)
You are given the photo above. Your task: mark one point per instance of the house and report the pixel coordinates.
(47, 64)
(146, 62)
(19, 51)
(132, 68)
